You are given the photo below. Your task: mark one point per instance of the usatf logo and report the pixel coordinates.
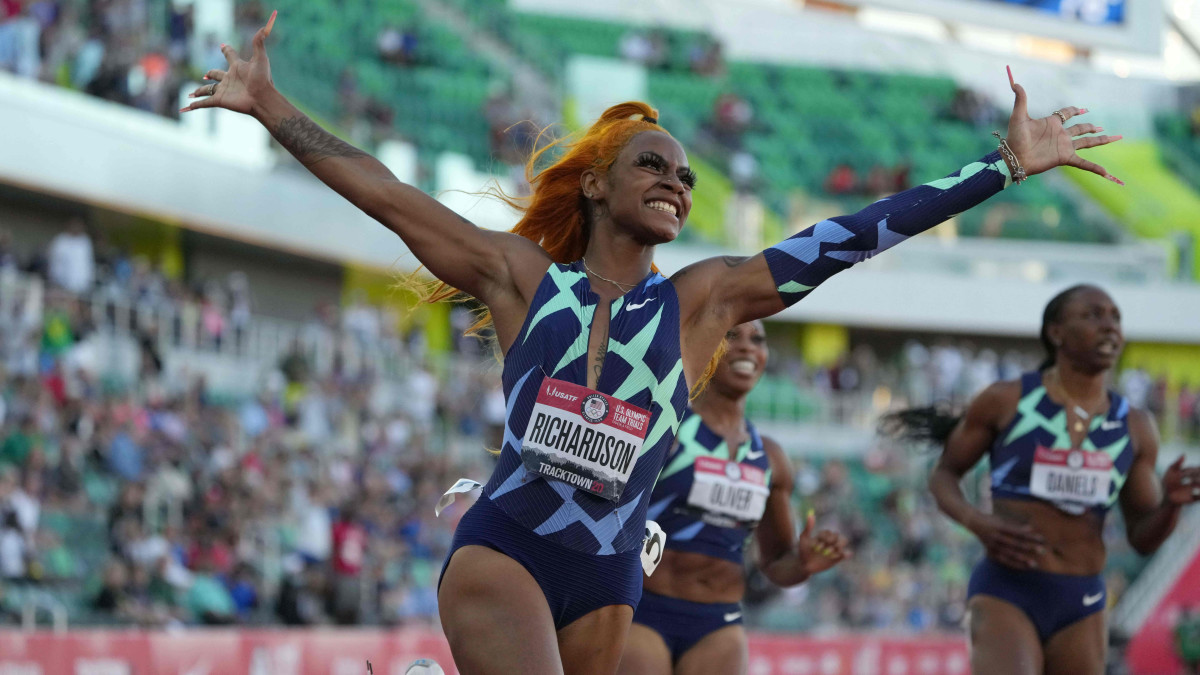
(594, 408)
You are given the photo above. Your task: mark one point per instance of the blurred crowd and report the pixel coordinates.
(131, 52)
(149, 503)
(310, 500)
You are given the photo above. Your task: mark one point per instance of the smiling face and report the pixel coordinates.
(1088, 333)
(745, 358)
(648, 189)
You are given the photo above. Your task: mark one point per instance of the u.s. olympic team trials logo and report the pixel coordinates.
(594, 408)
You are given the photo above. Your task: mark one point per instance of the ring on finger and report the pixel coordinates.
(212, 89)
(1062, 116)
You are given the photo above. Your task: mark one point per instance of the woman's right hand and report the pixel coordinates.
(245, 83)
(1009, 543)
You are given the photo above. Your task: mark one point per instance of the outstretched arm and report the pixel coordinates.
(477, 261)
(722, 292)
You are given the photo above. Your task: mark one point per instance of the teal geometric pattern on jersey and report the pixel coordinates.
(1042, 422)
(685, 529)
(643, 367)
(804, 261)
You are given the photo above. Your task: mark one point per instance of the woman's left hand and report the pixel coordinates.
(1042, 144)
(1181, 485)
(823, 551)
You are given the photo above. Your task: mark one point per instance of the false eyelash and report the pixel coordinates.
(652, 160)
(656, 162)
(689, 178)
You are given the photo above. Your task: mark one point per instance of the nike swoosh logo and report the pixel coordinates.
(1089, 600)
(630, 308)
(732, 616)
(754, 454)
(1109, 426)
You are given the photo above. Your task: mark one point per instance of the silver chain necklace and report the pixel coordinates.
(1082, 414)
(624, 288)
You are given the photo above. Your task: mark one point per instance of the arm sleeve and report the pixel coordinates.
(804, 261)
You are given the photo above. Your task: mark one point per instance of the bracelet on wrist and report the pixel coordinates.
(1014, 166)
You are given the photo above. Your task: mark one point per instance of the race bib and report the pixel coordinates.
(728, 493)
(1073, 480)
(583, 438)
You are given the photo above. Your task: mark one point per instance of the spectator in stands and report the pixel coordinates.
(973, 108)
(635, 46)
(1189, 412)
(243, 588)
(70, 262)
(1187, 639)
(705, 58)
(20, 33)
(396, 45)
(841, 180)
(113, 596)
(20, 442)
(501, 113)
(731, 117)
(207, 599)
(349, 551)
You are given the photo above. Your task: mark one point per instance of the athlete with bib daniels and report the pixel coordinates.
(1062, 450)
(722, 481)
(544, 572)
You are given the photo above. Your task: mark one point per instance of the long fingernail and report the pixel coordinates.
(183, 110)
(1083, 111)
(1011, 81)
(191, 96)
(1099, 129)
(1116, 180)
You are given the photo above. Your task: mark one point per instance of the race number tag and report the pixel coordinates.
(583, 438)
(728, 491)
(1073, 479)
(652, 547)
(461, 486)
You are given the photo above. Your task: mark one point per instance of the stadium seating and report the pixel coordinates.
(809, 120)
(1181, 147)
(437, 99)
(806, 120)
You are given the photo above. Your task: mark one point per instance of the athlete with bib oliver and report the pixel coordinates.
(721, 482)
(1062, 450)
(600, 350)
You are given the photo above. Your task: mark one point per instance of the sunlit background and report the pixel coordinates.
(217, 411)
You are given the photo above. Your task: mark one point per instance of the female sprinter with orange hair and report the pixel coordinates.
(600, 349)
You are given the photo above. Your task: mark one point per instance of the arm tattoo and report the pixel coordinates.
(310, 143)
